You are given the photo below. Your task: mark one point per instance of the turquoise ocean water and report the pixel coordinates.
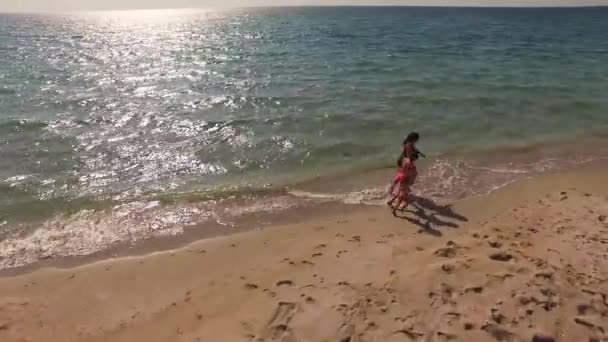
(121, 108)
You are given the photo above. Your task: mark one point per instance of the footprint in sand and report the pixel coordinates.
(542, 338)
(355, 238)
(586, 309)
(547, 275)
(446, 252)
(270, 293)
(525, 244)
(495, 244)
(445, 294)
(277, 328)
(496, 316)
(590, 323)
(498, 333)
(442, 336)
(285, 282)
(410, 334)
(452, 317)
(501, 256)
(474, 289)
(345, 333)
(448, 268)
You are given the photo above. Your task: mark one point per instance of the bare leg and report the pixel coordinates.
(399, 202)
(391, 193)
(404, 198)
(390, 203)
(391, 189)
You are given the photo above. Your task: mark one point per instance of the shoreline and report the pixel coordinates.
(351, 269)
(192, 234)
(326, 207)
(526, 157)
(201, 232)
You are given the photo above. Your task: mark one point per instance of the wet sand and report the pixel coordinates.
(197, 232)
(529, 259)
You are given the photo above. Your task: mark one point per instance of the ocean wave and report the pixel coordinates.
(89, 231)
(370, 196)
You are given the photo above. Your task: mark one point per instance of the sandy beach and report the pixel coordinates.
(527, 260)
(219, 174)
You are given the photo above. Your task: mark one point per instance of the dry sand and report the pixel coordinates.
(530, 259)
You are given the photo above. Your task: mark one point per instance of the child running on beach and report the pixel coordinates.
(406, 175)
(408, 149)
(404, 179)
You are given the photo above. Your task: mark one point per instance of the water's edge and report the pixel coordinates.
(148, 225)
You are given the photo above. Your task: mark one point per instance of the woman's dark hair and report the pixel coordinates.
(412, 137)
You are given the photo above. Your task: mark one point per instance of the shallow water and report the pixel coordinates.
(99, 110)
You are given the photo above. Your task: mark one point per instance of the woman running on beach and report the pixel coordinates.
(411, 152)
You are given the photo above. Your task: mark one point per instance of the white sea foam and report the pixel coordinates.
(89, 231)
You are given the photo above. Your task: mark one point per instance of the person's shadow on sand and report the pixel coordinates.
(441, 210)
(429, 215)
